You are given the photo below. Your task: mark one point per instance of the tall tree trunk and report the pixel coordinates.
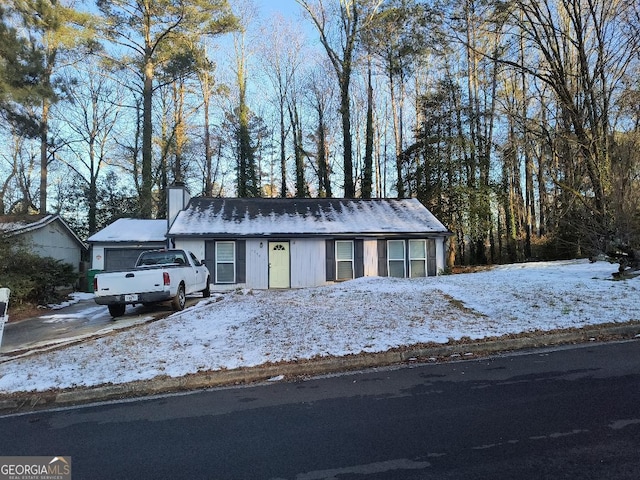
(208, 161)
(167, 142)
(367, 177)
(396, 115)
(477, 243)
(244, 144)
(44, 155)
(510, 178)
(145, 195)
(301, 185)
(324, 179)
(345, 113)
(92, 197)
(530, 209)
(247, 181)
(349, 24)
(283, 153)
(180, 133)
(44, 129)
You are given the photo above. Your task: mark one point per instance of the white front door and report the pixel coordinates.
(279, 265)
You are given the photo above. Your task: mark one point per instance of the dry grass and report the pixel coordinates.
(22, 312)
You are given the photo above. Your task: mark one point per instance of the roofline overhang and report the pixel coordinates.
(43, 222)
(312, 235)
(93, 242)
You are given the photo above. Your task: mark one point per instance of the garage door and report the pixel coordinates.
(121, 258)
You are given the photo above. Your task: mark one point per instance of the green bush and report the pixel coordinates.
(32, 279)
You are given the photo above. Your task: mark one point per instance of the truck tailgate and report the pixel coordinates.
(135, 281)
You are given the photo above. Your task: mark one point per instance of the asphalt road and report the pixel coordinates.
(80, 320)
(569, 413)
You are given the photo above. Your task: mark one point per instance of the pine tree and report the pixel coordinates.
(147, 30)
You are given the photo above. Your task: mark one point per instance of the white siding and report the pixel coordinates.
(308, 261)
(370, 258)
(195, 246)
(308, 267)
(97, 257)
(178, 198)
(257, 263)
(440, 255)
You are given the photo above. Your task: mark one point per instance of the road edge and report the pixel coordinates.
(455, 350)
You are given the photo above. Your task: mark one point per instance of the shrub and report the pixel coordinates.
(31, 278)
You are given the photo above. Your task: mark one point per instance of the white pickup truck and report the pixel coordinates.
(159, 276)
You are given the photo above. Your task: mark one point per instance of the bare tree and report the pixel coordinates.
(18, 189)
(320, 97)
(584, 50)
(281, 56)
(91, 121)
(339, 26)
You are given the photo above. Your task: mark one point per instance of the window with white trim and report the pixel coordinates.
(417, 258)
(225, 262)
(344, 259)
(396, 258)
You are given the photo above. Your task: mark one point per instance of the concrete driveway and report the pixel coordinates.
(74, 323)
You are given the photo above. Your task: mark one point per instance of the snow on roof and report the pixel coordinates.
(132, 230)
(15, 224)
(19, 224)
(303, 216)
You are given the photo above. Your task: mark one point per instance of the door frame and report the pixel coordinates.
(270, 245)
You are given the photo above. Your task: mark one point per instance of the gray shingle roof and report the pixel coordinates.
(257, 217)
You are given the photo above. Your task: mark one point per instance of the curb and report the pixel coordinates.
(25, 402)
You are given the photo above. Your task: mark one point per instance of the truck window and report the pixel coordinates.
(179, 258)
(162, 258)
(195, 261)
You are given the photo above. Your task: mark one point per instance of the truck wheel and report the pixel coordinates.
(180, 299)
(207, 291)
(117, 310)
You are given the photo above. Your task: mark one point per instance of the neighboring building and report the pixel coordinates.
(117, 246)
(46, 236)
(303, 242)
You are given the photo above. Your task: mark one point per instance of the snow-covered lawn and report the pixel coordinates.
(248, 328)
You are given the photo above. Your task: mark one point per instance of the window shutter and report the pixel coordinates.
(241, 261)
(210, 257)
(358, 264)
(382, 258)
(431, 257)
(330, 260)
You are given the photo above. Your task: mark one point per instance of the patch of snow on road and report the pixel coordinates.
(75, 297)
(86, 313)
